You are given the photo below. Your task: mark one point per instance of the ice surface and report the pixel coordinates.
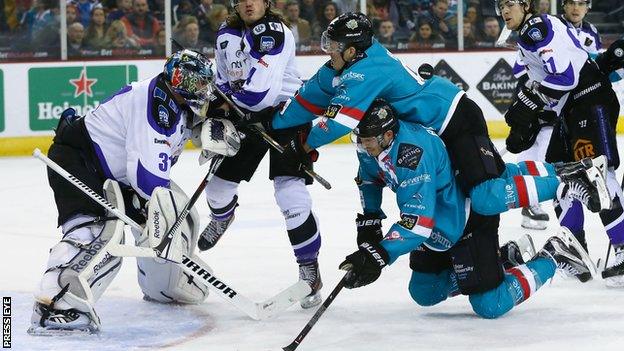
(256, 258)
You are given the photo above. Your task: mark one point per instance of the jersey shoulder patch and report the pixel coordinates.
(267, 36)
(164, 110)
(535, 30)
(409, 156)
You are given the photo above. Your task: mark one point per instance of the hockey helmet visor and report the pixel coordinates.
(501, 4)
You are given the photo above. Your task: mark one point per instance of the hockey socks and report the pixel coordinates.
(305, 240)
(523, 281)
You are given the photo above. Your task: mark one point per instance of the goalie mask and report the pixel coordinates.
(189, 73)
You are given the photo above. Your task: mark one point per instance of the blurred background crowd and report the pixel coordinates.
(30, 29)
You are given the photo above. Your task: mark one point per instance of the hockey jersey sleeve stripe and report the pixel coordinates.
(250, 98)
(526, 279)
(309, 106)
(347, 121)
(523, 197)
(147, 181)
(518, 70)
(531, 167)
(352, 112)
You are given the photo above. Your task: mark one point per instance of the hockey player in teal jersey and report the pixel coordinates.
(361, 69)
(453, 251)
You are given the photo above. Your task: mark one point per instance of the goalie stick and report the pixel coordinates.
(192, 265)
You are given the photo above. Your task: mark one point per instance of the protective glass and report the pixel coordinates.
(330, 46)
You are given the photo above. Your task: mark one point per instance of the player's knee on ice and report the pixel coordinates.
(429, 289)
(495, 302)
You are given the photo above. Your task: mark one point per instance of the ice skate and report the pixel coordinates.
(513, 253)
(310, 273)
(46, 321)
(585, 181)
(213, 232)
(534, 217)
(568, 262)
(614, 274)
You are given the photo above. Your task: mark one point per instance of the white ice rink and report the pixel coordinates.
(256, 258)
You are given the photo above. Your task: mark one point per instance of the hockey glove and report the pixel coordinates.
(522, 118)
(294, 154)
(368, 228)
(612, 59)
(364, 266)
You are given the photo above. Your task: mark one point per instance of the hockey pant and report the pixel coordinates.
(524, 184)
(589, 131)
(519, 283)
(294, 201)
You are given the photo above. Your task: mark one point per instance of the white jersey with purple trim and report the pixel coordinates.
(587, 35)
(257, 65)
(552, 56)
(138, 134)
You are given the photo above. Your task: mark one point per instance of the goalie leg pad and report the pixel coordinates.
(161, 280)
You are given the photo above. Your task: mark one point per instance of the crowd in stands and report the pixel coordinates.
(114, 27)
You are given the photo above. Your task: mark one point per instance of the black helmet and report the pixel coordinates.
(348, 29)
(378, 119)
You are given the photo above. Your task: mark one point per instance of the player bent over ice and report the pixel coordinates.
(124, 150)
(453, 250)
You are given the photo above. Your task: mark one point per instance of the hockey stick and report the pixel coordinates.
(267, 138)
(192, 265)
(501, 42)
(306, 329)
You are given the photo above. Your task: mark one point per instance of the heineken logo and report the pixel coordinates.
(51, 90)
(83, 84)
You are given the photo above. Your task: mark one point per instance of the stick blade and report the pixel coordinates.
(283, 300)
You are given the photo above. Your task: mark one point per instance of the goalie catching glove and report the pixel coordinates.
(522, 117)
(216, 136)
(364, 266)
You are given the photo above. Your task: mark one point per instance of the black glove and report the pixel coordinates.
(522, 118)
(263, 117)
(368, 228)
(364, 266)
(295, 155)
(613, 58)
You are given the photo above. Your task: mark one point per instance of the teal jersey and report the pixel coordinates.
(342, 98)
(417, 168)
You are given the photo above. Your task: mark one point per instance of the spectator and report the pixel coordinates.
(95, 38)
(183, 8)
(385, 35)
(8, 16)
(307, 11)
(159, 47)
(117, 37)
(472, 16)
(400, 16)
(544, 7)
(345, 6)
(124, 8)
(84, 8)
(201, 13)
(425, 38)
(38, 18)
(71, 14)
(470, 38)
(441, 22)
(75, 35)
(330, 11)
(186, 32)
(140, 24)
(491, 32)
(218, 14)
(300, 28)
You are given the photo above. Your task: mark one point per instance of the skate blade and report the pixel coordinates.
(311, 301)
(41, 331)
(614, 282)
(570, 240)
(529, 223)
(526, 246)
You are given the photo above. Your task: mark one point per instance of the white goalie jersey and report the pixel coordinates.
(138, 134)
